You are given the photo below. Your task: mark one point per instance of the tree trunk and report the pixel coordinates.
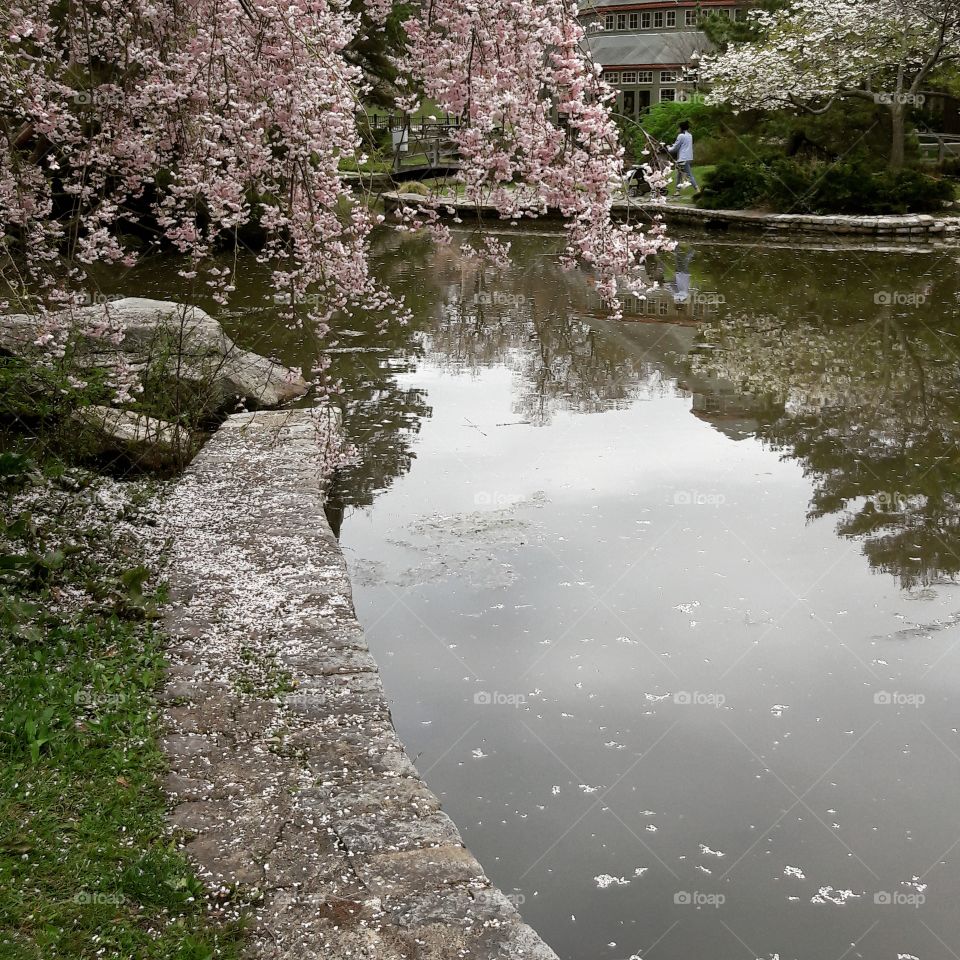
(899, 135)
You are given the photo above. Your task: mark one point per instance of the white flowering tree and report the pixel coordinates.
(813, 53)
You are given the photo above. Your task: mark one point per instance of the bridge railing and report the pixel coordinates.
(415, 124)
(429, 145)
(939, 147)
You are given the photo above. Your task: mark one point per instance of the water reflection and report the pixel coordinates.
(871, 410)
(548, 327)
(869, 406)
(606, 513)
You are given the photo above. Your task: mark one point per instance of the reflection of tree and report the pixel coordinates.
(532, 318)
(872, 410)
(381, 418)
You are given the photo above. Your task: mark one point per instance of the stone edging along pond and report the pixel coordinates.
(908, 226)
(292, 792)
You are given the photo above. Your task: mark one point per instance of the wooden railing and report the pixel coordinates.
(446, 121)
(420, 142)
(939, 147)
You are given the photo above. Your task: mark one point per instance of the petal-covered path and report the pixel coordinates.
(291, 789)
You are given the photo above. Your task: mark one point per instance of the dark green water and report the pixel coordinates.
(667, 608)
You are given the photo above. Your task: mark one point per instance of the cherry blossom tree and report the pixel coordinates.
(194, 123)
(813, 53)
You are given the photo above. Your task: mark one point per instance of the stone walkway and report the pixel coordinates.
(906, 227)
(291, 788)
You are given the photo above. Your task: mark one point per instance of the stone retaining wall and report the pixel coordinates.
(908, 227)
(291, 788)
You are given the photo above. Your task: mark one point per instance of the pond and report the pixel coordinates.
(667, 608)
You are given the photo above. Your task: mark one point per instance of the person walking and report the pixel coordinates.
(682, 152)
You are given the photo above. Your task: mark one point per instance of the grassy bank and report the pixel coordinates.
(86, 866)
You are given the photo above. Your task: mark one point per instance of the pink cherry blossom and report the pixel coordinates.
(195, 121)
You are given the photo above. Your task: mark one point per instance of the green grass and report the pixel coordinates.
(687, 192)
(374, 164)
(86, 868)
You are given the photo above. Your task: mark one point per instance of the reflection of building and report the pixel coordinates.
(729, 411)
(646, 48)
(661, 304)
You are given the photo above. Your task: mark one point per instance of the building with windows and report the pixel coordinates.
(649, 51)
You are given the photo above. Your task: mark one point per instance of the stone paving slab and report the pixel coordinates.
(290, 788)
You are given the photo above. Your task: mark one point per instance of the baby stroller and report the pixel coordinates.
(656, 160)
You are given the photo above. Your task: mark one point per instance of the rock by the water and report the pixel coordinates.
(151, 442)
(181, 342)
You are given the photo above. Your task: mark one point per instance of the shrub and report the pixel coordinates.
(950, 167)
(706, 121)
(734, 186)
(859, 131)
(791, 186)
(922, 193)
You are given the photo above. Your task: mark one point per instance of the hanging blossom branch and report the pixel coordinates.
(537, 132)
(191, 120)
(194, 120)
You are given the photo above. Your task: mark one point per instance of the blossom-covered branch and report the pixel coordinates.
(537, 131)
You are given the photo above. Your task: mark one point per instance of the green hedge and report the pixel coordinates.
(790, 186)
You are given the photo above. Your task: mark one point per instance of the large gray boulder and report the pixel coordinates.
(167, 339)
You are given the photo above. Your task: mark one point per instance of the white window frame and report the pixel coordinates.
(608, 21)
(690, 18)
(671, 18)
(664, 91)
(669, 76)
(628, 78)
(634, 21)
(613, 77)
(657, 19)
(645, 20)
(644, 76)
(621, 21)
